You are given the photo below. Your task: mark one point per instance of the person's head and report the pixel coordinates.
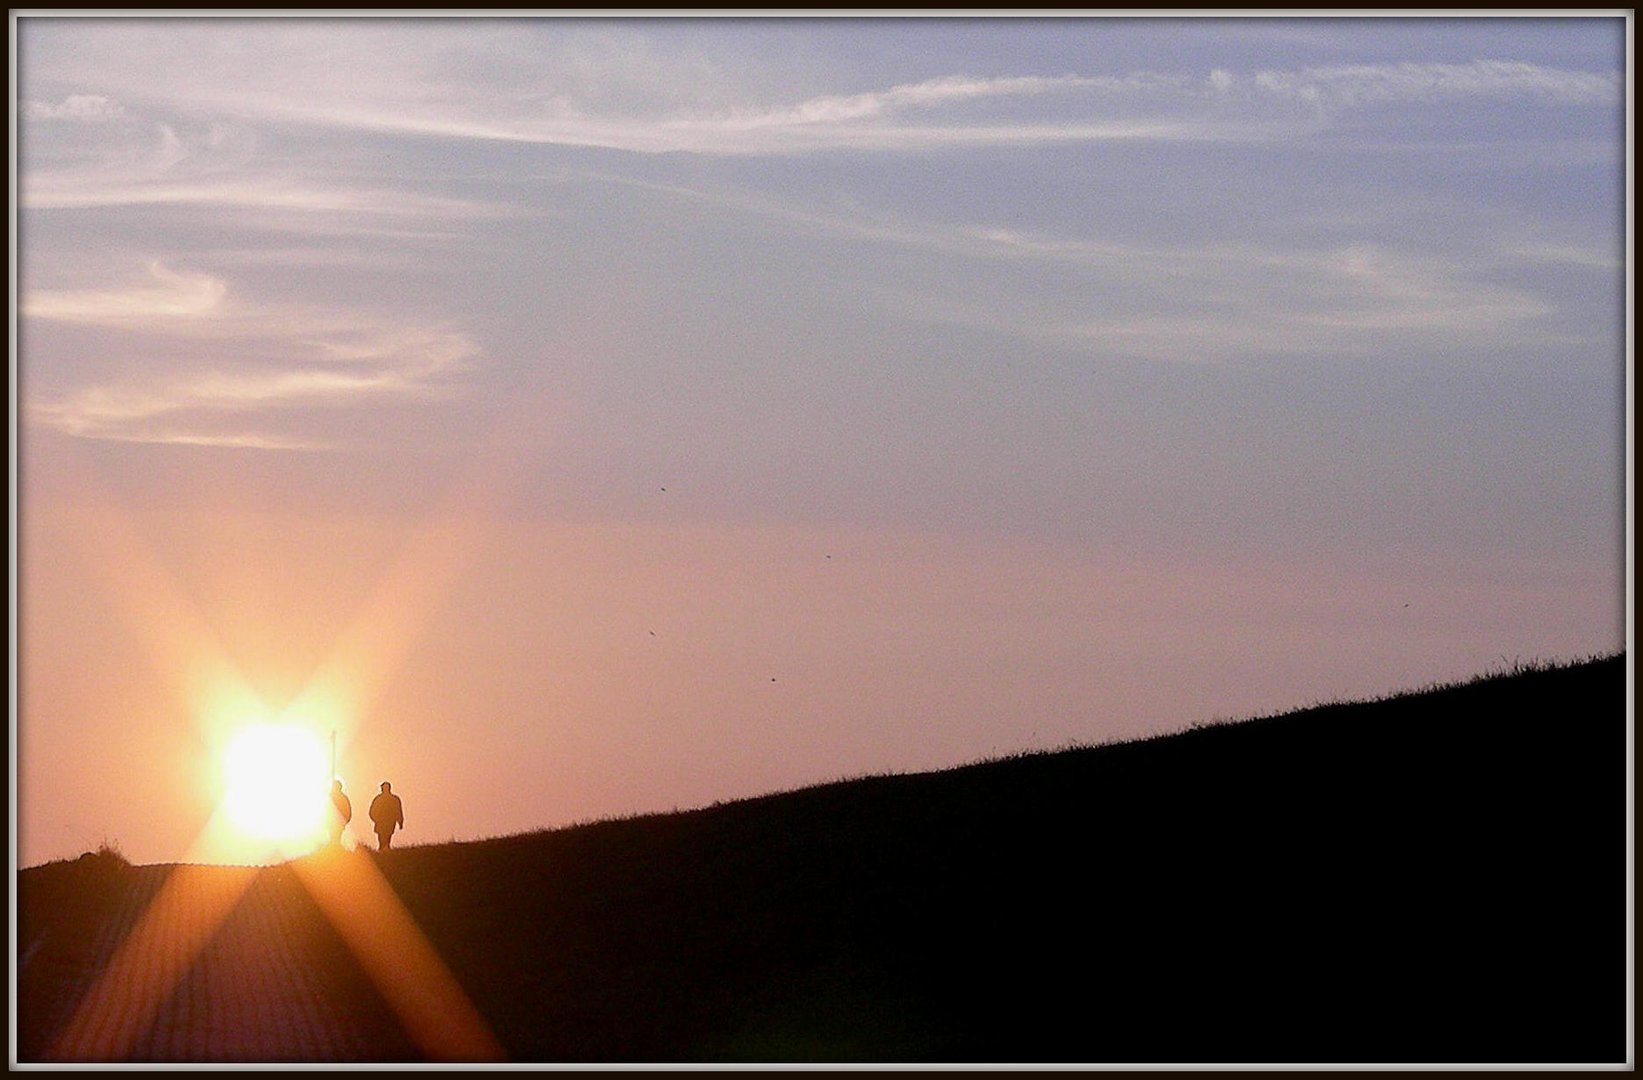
(386, 787)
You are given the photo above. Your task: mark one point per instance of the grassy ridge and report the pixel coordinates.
(1435, 877)
(1427, 878)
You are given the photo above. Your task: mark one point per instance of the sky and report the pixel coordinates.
(588, 417)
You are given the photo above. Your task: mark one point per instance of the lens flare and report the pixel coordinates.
(277, 779)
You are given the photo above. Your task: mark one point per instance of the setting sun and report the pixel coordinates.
(277, 777)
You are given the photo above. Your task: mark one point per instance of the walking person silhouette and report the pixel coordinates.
(387, 814)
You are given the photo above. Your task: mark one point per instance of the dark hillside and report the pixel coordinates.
(65, 903)
(1438, 877)
(1428, 878)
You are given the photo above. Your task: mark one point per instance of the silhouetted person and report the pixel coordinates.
(342, 812)
(387, 814)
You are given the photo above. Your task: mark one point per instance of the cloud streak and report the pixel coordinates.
(144, 162)
(1075, 108)
(169, 295)
(582, 90)
(1227, 305)
(929, 94)
(1072, 108)
(77, 108)
(283, 357)
(1220, 303)
(67, 192)
(1360, 85)
(1207, 302)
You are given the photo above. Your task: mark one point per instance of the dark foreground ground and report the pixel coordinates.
(1437, 877)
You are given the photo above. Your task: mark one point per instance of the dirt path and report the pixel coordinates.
(223, 964)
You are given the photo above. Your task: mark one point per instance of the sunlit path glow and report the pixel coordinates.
(167, 940)
(151, 961)
(408, 973)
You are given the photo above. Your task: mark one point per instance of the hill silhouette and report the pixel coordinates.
(1431, 877)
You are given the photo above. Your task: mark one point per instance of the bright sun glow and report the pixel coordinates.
(278, 780)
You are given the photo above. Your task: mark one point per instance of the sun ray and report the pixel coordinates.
(195, 900)
(406, 970)
(247, 824)
(151, 961)
(450, 538)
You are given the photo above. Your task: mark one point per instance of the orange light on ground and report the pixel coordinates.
(150, 963)
(267, 769)
(430, 1004)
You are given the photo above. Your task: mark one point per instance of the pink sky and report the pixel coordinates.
(510, 674)
(587, 418)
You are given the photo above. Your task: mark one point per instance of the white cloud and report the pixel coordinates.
(1211, 302)
(1358, 85)
(931, 93)
(1075, 108)
(168, 295)
(249, 441)
(212, 408)
(1069, 108)
(214, 163)
(647, 92)
(171, 150)
(82, 419)
(1225, 303)
(76, 108)
(157, 180)
(1606, 257)
(270, 357)
(1356, 301)
(68, 192)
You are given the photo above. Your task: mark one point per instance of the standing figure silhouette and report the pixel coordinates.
(387, 814)
(342, 812)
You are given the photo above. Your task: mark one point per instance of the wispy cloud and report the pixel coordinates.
(629, 92)
(929, 94)
(1356, 85)
(1072, 108)
(80, 420)
(77, 108)
(1217, 105)
(60, 192)
(272, 358)
(1222, 303)
(1184, 301)
(219, 163)
(1608, 257)
(167, 295)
